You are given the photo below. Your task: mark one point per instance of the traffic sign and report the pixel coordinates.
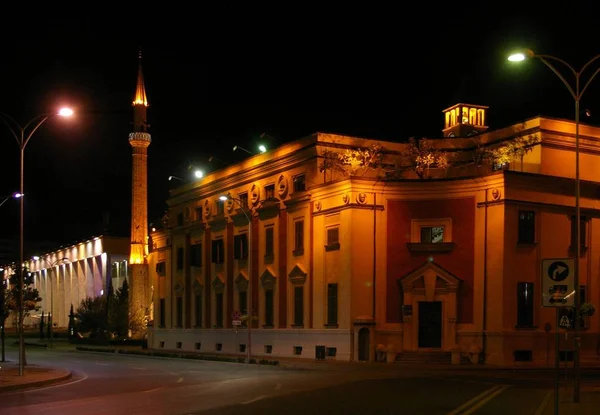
(565, 322)
(237, 315)
(237, 322)
(558, 288)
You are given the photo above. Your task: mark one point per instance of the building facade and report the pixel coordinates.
(348, 255)
(71, 274)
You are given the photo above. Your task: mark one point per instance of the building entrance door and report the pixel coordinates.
(363, 344)
(430, 324)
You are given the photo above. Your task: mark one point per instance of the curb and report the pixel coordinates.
(37, 383)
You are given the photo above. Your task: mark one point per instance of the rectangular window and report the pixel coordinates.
(162, 312)
(198, 310)
(244, 200)
(432, 234)
(526, 227)
(582, 230)
(299, 237)
(298, 306)
(240, 246)
(269, 242)
(332, 304)
(161, 268)
(270, 191)
(299, 183)
(179, 305)
(180, 253)
(525, 304)
(218, 251)
(198, 213)
(243, 302)
(269, 307)
(196, 255)
(220, 208)
(180, 219)
(333, 239)
(219, 309)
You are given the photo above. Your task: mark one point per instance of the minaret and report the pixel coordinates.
(139, 140)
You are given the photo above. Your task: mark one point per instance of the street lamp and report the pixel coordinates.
(250, 313)
(236, 148)
(576, 94)
(51, 266)
(22, 135)
(15, 195)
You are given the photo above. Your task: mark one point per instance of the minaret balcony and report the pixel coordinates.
(140, 138)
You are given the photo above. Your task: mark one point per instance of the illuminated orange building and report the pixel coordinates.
(361, 246)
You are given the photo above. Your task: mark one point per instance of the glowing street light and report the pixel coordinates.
(198, 174)
(262, 148)
(22, 135)
(14, 195)
(576, 94)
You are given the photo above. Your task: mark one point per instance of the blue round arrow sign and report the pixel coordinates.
(558, 271)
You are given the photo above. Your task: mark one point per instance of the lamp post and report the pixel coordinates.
(51, 266)
(15, 195)
(22, 135)
(250, 313)
(576, 94)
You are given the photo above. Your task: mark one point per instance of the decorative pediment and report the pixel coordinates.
(178, 289)
(197, 287)
(297, 276)
(269, 208)
(218, 284)
(241, 216)
(430, 277)
(242, 282)
(267, 279)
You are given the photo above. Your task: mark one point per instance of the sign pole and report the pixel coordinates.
(557, 362)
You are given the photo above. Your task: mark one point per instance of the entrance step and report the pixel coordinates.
(428, 358)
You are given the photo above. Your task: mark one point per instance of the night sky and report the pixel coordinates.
(215, 79)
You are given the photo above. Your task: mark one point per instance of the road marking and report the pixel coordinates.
(540, 409)
(179, 380)
(55, 386)
(138, 368)
(254, 400)
(103, 364)
(485, 400)
(474, 400)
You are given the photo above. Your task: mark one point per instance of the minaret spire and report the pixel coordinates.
(140, 90)
(139, 140)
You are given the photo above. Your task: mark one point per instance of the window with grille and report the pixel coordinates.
(196, 255)
(333, 239)
(526, 227)
(240, 246)
(525, 304)
(432, 234)
(218, 251)
(298, 306)
(332, 304)
(299, 237)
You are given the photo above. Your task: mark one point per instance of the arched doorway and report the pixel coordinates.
(363, 344)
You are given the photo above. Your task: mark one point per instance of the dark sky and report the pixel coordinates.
(219, 78)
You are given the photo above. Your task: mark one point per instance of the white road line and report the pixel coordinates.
(137, 368)
(485, 400)
(254, 400)
(103, 364)
(55, 386)
(540, 409)
(474, 400)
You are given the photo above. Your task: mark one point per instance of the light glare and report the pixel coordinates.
(262, 148)
(65, 112)
(223, 198)
(516, 57)
(198, 174)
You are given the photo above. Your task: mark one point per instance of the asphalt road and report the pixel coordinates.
(121, 384)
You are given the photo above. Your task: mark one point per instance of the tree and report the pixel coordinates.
(91, 317)
(118, 312)
(31, 296)
(421, 157)
(350, 162)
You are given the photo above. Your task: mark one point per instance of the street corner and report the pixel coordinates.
(32, 377)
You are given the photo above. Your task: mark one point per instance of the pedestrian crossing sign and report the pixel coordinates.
(565, 322)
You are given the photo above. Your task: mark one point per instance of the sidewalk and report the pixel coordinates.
(34, 376)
